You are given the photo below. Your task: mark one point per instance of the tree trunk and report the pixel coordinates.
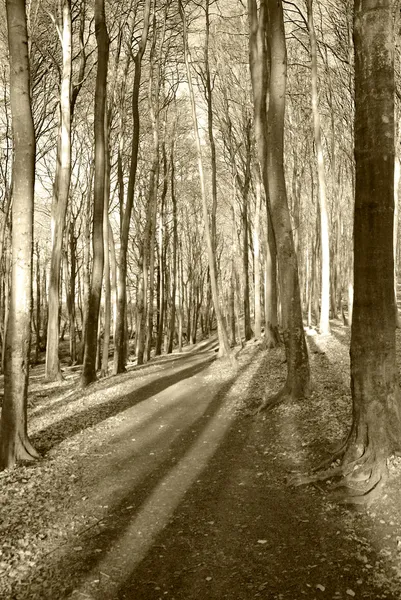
(298, 375)
(86, 264)
(375, 431)
(120, 342)
(14, 441)
(106, 245)
(175, 246)
(324, 323)
(60, 198)
(224, 346)
(258, 61)
(256, 254)
(90, 348)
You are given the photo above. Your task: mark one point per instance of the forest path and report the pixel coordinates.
(166, 486)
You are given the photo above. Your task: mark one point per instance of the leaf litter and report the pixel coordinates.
(54, 522)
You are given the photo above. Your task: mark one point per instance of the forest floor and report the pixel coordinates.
(162, 483)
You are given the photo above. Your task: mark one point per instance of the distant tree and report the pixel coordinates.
(61, 193)
(120, 326)
(14, 441)
(324, 324)
(224, 346)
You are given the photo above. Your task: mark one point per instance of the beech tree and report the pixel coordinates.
(120, 326)
(298, 375)
(61, 192)
(92, 324)
(376, 427)
(224, 347)
(14, 441)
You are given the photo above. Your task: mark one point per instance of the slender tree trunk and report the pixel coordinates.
(298, 375)
(14, 441)
(259, 62)
(72, 291)
(175, 246)
(106, 243)
(120, 342)
(60, 198)
(245, 250)
(256, 254)
(38, 305)
(113, 276)
(324, 324)
(86, 264)
(224, 346)
(90, 348)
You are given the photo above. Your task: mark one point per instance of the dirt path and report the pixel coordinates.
(166, 487)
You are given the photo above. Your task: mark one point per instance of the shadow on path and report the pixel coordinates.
(70, 425)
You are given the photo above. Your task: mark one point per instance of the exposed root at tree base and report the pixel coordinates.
(287, 394)
(25, 451)
(358, 482)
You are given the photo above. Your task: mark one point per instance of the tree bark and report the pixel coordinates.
(259, 63)
(324, 323)
(298, 375)
(256, 254)
(14, 441)
(375, 431)
(60, 198)
(120, 342)
(175, 247)
(224, 346)
(90, 347)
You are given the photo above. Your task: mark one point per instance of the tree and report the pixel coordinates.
(298, 375)
(375, 431)
(324, 324)
(90, 347)
(224, 346)
(120, 342)
(376, 427)
(60, 196)
(258, 62)
(14, 441)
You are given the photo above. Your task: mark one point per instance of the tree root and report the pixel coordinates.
(337, 454)
(25, 450)
(270, 402)
(361, 480)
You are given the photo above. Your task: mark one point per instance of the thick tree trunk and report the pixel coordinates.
(397, 173)
(60, 198)
(90, 348)
(375, 431)
(14, 441)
